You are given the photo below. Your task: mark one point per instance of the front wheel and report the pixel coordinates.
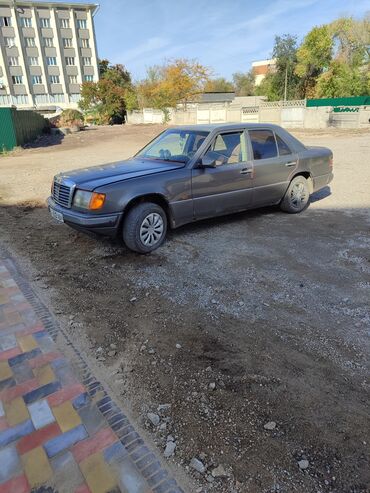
(145, 227)
(297, 196)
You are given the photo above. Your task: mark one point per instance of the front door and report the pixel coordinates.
(273, 163)
(227, 187)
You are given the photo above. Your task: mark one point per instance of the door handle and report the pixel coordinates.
(292, 163)
(246, 171)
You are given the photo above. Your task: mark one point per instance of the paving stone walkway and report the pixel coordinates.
(60, 433)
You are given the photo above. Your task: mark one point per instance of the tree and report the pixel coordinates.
(342, 80)
(283, 81)
(219, 84)
(244, 83)
(351, 40)
(176, 82)
(314, 57)
(108, 99)
(104, 100)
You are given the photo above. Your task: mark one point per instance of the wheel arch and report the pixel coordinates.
(307, 175)
(156, 198)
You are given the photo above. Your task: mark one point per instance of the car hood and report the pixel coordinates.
(97, 176)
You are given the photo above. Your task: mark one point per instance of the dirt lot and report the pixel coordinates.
(270, 309)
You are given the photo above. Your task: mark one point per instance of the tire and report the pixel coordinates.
(297, 197)
(145, 227)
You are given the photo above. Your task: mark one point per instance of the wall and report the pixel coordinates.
(288, 114)
(19, 127)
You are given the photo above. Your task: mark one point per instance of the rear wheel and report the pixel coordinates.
(145, 227)
(297, 196)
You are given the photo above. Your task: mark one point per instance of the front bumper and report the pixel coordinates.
(105, 224)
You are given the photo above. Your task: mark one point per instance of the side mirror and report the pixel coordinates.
(208, 161)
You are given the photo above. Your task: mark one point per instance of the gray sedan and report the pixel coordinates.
(187, 174)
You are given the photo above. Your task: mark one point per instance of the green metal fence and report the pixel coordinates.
(350, 101)
(19, 127)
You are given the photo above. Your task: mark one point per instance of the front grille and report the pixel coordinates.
(62, 194)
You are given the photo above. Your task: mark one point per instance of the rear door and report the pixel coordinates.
(227, 187)
(273, 163)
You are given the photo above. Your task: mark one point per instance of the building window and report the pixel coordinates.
(45, 22)
(84, 43)
(54, 79)
(70, 60)
(20, 99)
(48, 42)
(41, 98)
(64, 23)
(75, 98)
(57, 98)
(73, 79)
(88, 78)
(82, 23)
(67, 42)
(36, 79)
(86, 60)
(13, 61)
(51, 60)
(5, 21)
(9, 42)
(33, 60)
(29, 42)
(26, 22)
(17, 79)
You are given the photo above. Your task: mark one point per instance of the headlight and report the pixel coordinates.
(89, 200)
(82, 199)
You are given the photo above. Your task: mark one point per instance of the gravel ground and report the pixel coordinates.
(250, 332)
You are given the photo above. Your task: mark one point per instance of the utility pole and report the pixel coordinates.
(286, 81)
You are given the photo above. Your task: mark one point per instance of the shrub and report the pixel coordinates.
(71, 118)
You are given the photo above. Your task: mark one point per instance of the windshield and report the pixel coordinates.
(174, 145)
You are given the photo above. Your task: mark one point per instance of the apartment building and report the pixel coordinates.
(261, 68)
(47, 50)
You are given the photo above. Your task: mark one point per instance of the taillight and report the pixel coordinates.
(331, 162)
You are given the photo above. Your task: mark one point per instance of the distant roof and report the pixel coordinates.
(31, 3)
(216, 97)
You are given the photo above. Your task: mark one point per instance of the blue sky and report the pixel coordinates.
(226, 35)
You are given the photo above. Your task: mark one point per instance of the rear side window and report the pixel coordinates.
(284, 150)
(263, 144)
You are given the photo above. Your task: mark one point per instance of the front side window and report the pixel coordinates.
(263, 144)
(51, 60)
(17, 79)
(36, 79)
(45, 22)
(67, 42)
(228, 148)
(5, 21)
(9, 42)
(284, 149)
(173, 145)
(26, 22)
(29, 42)
(13, 61)
(82, 24)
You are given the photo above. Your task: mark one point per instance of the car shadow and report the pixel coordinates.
(320, 194)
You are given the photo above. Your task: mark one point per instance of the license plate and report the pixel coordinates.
(56, 215)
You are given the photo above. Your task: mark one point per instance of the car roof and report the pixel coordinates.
(226, 126)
